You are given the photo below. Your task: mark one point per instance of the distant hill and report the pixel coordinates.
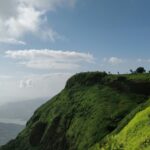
(8, 132)
(14, 115)
(95, 111)
(20, 110)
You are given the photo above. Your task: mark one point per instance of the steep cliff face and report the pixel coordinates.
(92, 106)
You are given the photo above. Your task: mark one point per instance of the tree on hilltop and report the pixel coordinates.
(140, 70)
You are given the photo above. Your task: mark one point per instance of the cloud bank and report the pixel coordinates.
(21, 17)
(50, 59)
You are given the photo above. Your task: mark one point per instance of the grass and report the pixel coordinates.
(134, 136)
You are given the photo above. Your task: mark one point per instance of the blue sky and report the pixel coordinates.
(42, 43)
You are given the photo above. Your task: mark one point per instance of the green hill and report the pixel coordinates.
(94, 107)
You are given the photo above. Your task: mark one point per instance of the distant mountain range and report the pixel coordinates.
(13, 117)
(21, 111)
(8, 132)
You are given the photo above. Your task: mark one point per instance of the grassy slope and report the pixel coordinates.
(90, 107)
(134, 136)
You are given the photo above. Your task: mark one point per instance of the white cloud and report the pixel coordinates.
(50, 59)
(19, 17)
(25, 83)
(53, 54)
(113, 60)
(27, 19)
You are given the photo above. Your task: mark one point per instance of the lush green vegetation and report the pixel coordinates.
(134, 136)
(93, 108)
